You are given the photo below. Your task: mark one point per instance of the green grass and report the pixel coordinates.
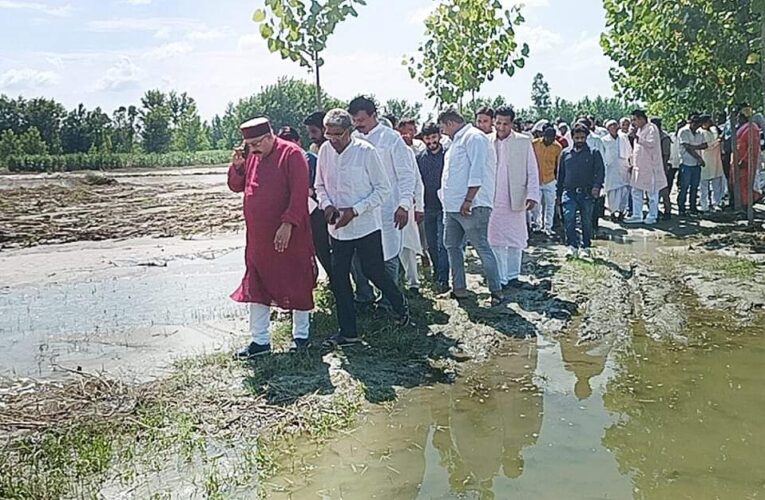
(724, 265)
(589, 272)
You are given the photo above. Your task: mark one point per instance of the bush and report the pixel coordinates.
(111, 161)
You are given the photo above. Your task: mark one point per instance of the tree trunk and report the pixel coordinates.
(318, 80)
(750, 173)
(733, 171)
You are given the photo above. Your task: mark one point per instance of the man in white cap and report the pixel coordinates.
(279, 256)
(617, 163)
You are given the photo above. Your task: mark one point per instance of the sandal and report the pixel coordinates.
(338, 340)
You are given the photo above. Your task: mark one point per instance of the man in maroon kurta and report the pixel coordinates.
(279, 256)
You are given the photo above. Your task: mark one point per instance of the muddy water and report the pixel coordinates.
(111, 313)
(621, 419)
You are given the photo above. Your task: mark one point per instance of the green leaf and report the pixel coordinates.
(266, 31)
(259, 16)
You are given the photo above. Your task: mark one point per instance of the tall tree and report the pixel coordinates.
(124, 122)
(31, 142)
(217, 132)
(456, 29)
(401, 108)
(190, 133)
(287, 102)
(678, 56)
(156, 115)
(298, 30)
(540, 94)
(45, 115)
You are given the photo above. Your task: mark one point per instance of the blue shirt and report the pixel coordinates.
(580, 170)
(431, 167)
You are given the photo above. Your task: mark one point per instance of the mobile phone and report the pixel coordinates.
(245, 150)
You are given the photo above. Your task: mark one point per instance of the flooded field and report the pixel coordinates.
(113, 316)
(636, 374)
(548, 420)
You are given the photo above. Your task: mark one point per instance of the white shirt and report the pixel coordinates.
(687, 136)
(595, 143)
(352, 179)
(401, 172)
(468, 163)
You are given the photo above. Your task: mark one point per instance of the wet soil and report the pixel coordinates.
(662, 328)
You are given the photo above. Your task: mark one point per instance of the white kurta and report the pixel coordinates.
(517, 182)
(713, 167)
(401, 171)
(617, 161)
(411, 233)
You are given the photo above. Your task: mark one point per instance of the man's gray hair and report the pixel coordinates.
(338, 118)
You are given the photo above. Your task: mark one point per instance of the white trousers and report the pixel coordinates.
(508, 262)
(408, 259)
(260, 324)
(543, 213)
(637, 203)
(618, 200)
(714, 188)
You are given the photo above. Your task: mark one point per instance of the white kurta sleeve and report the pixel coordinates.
(532, 174)
(320, 183)
(478, 160)
(405, 167)
(379, 183)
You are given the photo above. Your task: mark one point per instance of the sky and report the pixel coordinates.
(109, 52)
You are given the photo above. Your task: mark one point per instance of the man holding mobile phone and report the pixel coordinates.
(279, 256)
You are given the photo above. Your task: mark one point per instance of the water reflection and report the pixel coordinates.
(514, 429)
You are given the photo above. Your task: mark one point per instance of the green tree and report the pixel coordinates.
(217, 133)
(467, 41)
(45, 115)
(477, 103)
(287, 102)
(298, 30)
(31, 142)
(9, 145)
(679, 56)
(540, 94)
(190, 133)
(402, 108)
(124, 129)
(155, 115)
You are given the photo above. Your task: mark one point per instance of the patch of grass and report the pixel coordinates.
(591, 272)
(724, 265)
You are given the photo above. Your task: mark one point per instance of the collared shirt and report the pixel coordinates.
(688, 136)
(392, 150)
(467, 164)
(580, 170)
(352, 179)
(548, 158)
(431, 167)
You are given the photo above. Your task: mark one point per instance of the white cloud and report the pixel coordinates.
(210, 34)
(122, 76)
(418, 16)
(168, 50)
(162, 27)
(251, 42)
(27, 78)
(58, 11)
(539, 39)
(138, 2)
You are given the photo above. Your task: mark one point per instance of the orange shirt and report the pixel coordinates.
(547, 158)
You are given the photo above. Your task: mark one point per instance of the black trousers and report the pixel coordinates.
(321, 241)
(370, 253)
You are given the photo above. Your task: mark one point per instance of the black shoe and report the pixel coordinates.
(666, 216)
(253, 350)
(518, 285)
(300, 345)
(442, 287)
(339, 340)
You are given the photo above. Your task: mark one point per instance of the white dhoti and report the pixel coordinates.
(618, 199)
(712, 190)
(509, 263)
(260, 324)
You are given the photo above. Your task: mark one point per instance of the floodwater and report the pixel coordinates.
(628, 418)
(122, 314)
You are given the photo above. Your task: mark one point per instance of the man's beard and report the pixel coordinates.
(578, 146)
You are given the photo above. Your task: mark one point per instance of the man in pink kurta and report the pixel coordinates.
(516, 192)
(648, 177)
(279, 256)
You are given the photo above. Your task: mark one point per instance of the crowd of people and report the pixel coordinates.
(374, 193)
